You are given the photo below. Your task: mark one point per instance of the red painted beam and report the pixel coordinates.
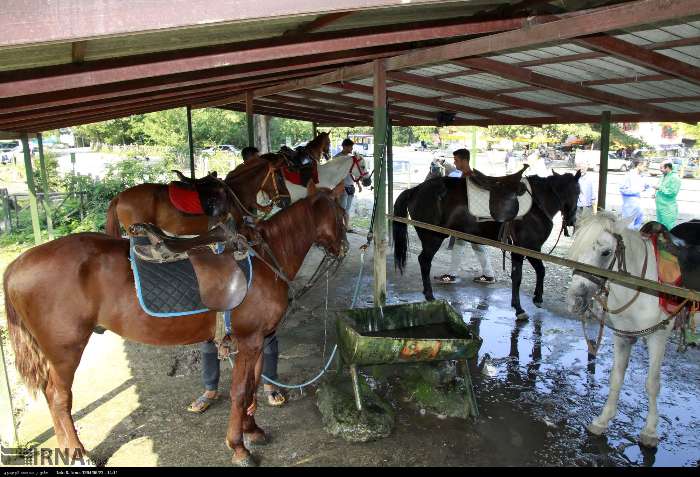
(489, 96)
(525, 75)
(110, 71)
(642, 57)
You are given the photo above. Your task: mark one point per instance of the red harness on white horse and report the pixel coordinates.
(357, 164)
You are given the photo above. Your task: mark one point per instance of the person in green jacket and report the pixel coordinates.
(666, 193)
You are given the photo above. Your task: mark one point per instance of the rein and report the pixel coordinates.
(356, 164)
(270, 176)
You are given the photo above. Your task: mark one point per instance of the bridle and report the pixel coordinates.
(601, 296)
(357, 164)
(275, 199)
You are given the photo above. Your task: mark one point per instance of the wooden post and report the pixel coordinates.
(249, 117)
(473, 153)
(379, 232)
(390, 168)
(604, 148)
(6, 216)
(45, 180)
(190, 140)
(8, 429)
(34, 209)
(314, 131)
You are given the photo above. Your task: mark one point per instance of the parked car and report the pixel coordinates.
(221, 148)
(7, 151)
(593, 158)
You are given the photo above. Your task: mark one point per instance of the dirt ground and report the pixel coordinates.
(534, 385)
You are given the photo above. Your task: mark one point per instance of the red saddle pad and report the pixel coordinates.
(184, 199)
(295, 177)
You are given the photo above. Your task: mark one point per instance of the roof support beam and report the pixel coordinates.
(530, 77)
(320, 22)
(489, 96)
(642, 57)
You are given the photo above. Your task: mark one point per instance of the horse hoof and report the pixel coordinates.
(596, 429)
(648, 440)
(429, 298)
(522, 316)
(258, 438)
(537, 303)
(246, 461)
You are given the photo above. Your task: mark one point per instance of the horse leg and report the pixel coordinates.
(60, 401)
(516, 276)
(656, 344)
(623, 347)
(242, 397)
(539, 284)
(425, 260)
(251, 430)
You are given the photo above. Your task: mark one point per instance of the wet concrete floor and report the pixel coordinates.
(534, 384)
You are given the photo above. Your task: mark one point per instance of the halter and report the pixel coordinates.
(601, 296)
(357, 164)
(276, 197)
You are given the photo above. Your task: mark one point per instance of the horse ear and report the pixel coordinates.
(554, 173)
(310, 188)
(213, 173)
(578, 174)
(338, 190)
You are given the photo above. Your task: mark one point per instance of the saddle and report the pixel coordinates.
(677, 252)
(507, 196)
(213, 256)
(185, 198)
(301, 167)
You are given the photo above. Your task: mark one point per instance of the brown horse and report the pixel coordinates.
(56, 293)
(149, 203)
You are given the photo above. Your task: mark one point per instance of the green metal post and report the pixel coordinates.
(72, 177)
(604, 148)
(190, 140)
(45, 180)
(380, 131)
(249, 117)
(390, 168)
(34, 209)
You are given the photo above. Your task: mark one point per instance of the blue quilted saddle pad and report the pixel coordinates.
(168, 290)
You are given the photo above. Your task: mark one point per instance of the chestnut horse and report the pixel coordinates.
(56, 293)
(149, 203)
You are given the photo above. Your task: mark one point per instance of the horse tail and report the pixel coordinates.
(30, 361)
(400, 230)
(112, 221)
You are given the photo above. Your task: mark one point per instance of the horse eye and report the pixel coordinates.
(606, 253)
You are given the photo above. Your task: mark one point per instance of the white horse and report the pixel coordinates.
(331, 174)
(596, 242)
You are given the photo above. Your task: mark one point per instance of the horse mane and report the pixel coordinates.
(317, 140)
(589, 228)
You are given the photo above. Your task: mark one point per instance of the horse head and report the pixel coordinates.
(566, 188)
(596, 241)
(273, 189)
(329, 219)
(358, 171)
(320, 145)
(215, 198)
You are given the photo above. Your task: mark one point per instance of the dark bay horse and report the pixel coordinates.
(56, 293)
(149, 203)
(443, 202)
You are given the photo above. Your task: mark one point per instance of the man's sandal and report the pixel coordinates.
(484, 279)
(202, 403)
(275, 398)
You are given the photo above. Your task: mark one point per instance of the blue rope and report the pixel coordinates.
(335, 347)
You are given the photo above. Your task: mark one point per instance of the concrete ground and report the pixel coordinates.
(535, 387)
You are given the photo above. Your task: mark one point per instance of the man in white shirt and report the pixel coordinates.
(588, 197)
(348, 182)
(631, 189)
(461, 160)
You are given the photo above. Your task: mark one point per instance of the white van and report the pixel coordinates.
(593, 158)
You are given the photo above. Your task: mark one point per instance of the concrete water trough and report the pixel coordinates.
(406, 333)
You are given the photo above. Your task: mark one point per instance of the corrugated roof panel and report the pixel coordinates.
(525, 113)
(628, 90)
(655, 35)
(630, 67)
(422, 107)
(485, 81)
(680, 56)
(546, 97)
(597, 109)
(474, 103)
(564, 71)
(360, 96)
(684, 30)
(681, 107)
(415, 90)
(436, 70)
(328, 89)
(691, 50)
(364, 81)
(632, 38)
(470, 116)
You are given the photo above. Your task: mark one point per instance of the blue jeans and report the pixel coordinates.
(210, 361)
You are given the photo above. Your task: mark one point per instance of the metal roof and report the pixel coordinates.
(88, 70)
